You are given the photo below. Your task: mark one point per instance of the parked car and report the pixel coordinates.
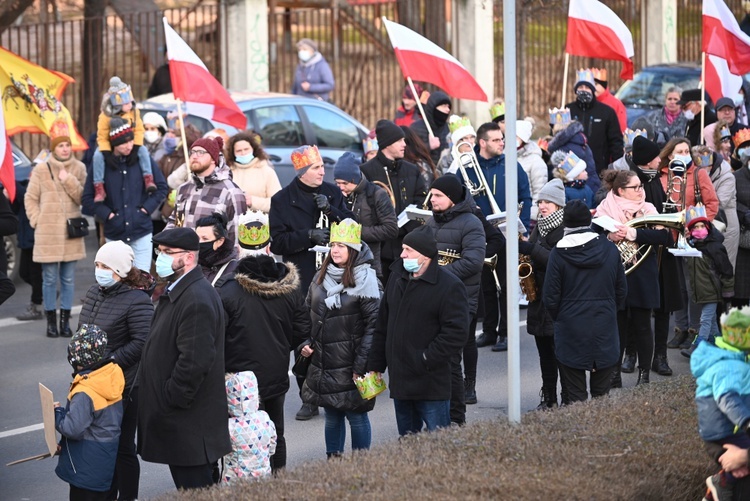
(22, 166)
(285, 122)
(646, 91)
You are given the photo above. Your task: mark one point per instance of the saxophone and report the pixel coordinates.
(526, 271)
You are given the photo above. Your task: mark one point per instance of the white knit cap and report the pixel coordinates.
(117, 256)
(461, 132)
(523, 130)
(155, 120)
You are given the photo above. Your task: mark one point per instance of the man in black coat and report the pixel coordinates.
(182, 415)
(422, 324)
(690, 100)
(600, 125)
(403, 178)
(458, 231)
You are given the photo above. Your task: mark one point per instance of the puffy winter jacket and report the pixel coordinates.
(712, 276)
(573, 139)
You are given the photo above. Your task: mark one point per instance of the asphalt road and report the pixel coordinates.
(27, 358)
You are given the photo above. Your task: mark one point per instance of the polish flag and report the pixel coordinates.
(720, 82)
(7, 171)
(192, 83)
(723, 37)
(422, 60)
(595, 31)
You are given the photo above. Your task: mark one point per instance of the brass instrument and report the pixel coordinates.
(468, 160)
(526, 277)
(676, 184)
(491, 263)
(387, 190)
(447, 257)
(320, 256)
(633, 254)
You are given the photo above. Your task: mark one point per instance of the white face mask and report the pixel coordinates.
(151, 136)
(304, 55)
(689, 115)
(686, 159)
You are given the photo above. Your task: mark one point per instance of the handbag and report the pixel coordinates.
(301, 365)
(78, 227)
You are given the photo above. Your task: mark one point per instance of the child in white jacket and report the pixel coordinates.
(252, 432)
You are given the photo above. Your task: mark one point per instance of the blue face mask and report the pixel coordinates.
(244, 159)
(170, 144)
(164, 265)
(104, 278)
(412, 265)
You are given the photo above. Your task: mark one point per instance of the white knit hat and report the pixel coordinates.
(524, 129)
(117, 256)
(460, 127)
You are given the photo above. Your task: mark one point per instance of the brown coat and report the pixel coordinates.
(49, 203)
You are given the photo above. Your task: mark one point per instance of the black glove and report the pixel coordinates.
(319, 236)
(525, 247)
(322, 202)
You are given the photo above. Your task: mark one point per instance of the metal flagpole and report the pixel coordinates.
(511, 202)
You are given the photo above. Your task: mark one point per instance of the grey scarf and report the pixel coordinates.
(365, 280)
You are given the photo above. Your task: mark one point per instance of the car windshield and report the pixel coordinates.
(649, 88)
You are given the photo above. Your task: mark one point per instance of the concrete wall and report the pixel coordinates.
(659, 33)
(246, 55)
(473, 46)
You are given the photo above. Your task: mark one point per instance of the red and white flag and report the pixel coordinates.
(7, 172)
(723, 37)
(595, 31)
(192, 83)
(422, 60)
(720, 82)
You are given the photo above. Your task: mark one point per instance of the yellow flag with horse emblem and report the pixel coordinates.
(31, 98)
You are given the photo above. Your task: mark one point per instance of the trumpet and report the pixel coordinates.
(320, 256)
(468, 160)
(447, 257)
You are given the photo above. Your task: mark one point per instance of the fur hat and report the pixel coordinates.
(117, 256)
(212, 145)
(87, 346)
(554, 192)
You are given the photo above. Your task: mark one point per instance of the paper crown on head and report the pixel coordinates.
(455, 122)
(347, 232)
(695, 214)
(572, 166)
(370, 144)
(305, 156)
(600, 74)
(253, 232)
(119, 92)
(724, 133)
(497, 110)
(629, 136)
(742, 136)
(735, 328)
(703, 160)
(559, 116)
(585, 75)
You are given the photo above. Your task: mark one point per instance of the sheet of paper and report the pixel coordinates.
(607, 223)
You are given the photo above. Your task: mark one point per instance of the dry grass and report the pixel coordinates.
(641, 444)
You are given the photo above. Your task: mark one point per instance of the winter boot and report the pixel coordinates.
(679, 337)
(470, 391)
(99, 193)
(52, 323)
(691, 335)
(307, 411)
(616, 379)
(628, 363)
(33, 312)
(643, 375)
(660, 365)
(689, 352)
(148, 180)
(548, 399)
(65, 324)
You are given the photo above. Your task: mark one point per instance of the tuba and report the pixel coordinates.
(633, 254)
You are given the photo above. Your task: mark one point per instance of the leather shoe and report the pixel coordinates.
(501, 345)
(660, 365)
(628, 363)
(486, 340)
(307, 411)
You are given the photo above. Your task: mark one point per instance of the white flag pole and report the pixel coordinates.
(421, 110)
(565, 80)
(703, 95)
(182, 133)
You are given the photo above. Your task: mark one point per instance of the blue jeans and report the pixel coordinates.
(142, 250)
(336, 430)
(709, 328)
(50, 272)
(411, 414)
(144, 160)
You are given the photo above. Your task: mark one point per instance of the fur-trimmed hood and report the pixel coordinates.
(567, 135)
(279, 280)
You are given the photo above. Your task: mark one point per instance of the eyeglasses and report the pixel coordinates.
(199, 153)
(169, 252)
(637, 187)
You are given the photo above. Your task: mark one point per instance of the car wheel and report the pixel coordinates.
(13, 254)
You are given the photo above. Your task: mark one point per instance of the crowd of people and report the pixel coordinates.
(210, 273)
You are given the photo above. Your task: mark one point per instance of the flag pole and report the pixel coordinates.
(703, 95)
(421, 110)
(182, 133)
(565, 80)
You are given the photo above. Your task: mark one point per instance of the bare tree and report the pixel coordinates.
(91, 57)
(10, 10)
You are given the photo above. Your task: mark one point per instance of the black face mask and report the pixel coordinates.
(584, 97)
(440, 117)
(207, 254)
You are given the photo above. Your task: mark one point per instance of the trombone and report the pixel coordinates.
(468, 160)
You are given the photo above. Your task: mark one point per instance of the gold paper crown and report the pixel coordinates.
(703, 160)
(305, 156)
(497, 110)
(600, 74)
(455, 122)
(370, 144)
(724, 133)
(559, 116)
(735, 328)
(253, 235)
(59, 128)
(629, 135)
(585, 75)
(347, 232)
(695, 214)
(742, 136)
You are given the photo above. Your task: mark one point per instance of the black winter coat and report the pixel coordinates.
(125, 315)
(341, 339)
(422, 323)
(409, 187)
(694, 131)
(439, 128)
(266, 319)
(742, 268)
(373, 209)
(602, 130)
(584, 285)
(182, 410)
(538, 321)
(459, 229)
(643, 282)
(293, 214)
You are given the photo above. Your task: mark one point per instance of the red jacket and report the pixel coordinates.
(614, 103)
(407, 118)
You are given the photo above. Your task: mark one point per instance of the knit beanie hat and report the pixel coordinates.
(119, 92)
(408, 94)
(117, 256)
(87, 346)
(387, 133)
(120, 131)
(309, 43)
(554, 192)
(576, 215)
(347, 168)
(212, 145)
(450, 186)
(423, 241)
(644, 150)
